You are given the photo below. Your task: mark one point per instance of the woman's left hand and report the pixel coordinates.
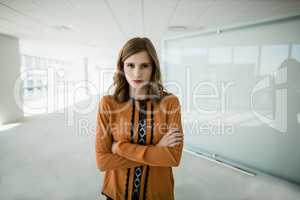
(113, 147)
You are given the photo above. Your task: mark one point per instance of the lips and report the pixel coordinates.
(137, 81)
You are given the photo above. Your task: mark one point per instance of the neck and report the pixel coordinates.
(137, 93)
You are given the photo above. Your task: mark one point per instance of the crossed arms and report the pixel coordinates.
(126, 154)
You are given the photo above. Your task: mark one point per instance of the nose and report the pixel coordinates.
(137, 73)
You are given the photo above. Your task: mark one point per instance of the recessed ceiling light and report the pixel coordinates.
(177, 28)
(63, 28)
(92, 45)
(185, 28)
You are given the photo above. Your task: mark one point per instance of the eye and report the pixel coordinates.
(130, 65)
(145, 65)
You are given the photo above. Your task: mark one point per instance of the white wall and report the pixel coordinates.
(9, 72)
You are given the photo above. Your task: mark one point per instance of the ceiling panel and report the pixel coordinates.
(111, 22)
(189, 12)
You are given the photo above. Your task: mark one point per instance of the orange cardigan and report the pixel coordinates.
(138, 169)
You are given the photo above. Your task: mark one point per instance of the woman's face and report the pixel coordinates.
(138, 69)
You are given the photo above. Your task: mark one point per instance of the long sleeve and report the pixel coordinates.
(153, 155)
(105, 159)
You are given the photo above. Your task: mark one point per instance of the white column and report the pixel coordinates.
(10, 64)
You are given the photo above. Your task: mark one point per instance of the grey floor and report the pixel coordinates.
(44, 158)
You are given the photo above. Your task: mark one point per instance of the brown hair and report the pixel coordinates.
(155, 89)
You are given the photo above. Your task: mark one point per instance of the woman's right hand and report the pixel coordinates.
(172, 138)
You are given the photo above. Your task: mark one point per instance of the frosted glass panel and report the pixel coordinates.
(240, 94)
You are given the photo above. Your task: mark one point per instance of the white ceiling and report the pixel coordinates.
(104, 23)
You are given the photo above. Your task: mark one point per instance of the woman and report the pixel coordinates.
(139, 136)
